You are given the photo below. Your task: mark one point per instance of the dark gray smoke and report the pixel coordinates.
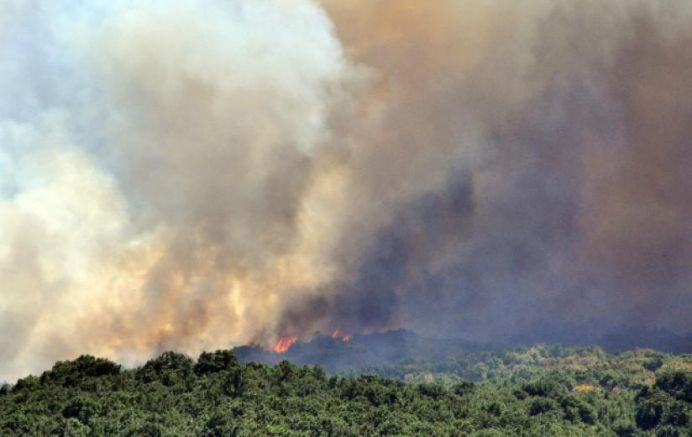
(568, 218)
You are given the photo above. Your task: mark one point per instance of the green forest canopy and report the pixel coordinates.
(542, 390)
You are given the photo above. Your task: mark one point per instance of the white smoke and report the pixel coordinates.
(154, 159)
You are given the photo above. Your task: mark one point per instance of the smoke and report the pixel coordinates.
(163, 169)
(526, 174)
(204, 174)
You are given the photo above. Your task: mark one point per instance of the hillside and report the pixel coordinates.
(362, 351)
(379, 351)
(542, 390)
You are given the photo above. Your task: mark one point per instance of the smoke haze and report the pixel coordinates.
(196, 175)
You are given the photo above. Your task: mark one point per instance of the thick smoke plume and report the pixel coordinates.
(198, 174)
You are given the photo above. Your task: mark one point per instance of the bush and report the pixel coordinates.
(170, 368)
(213, 362)
(72, 373)
(464, 388)
(649, 414)
(677, 384)
(542, 405)
(545, 388)
(81, 408)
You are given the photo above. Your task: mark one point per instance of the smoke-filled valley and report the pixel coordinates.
(195, 175)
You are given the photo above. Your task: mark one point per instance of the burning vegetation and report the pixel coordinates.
(337, 334)
(282, 345)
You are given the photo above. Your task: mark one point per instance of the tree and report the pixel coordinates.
(72, 373)
(170, 369)
(213, 362)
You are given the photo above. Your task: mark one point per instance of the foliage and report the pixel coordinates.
(543, 390)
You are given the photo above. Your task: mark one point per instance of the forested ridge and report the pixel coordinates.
(542, 390)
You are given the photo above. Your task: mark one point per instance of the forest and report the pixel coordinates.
(524, 391)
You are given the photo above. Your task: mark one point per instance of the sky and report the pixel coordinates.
(195, 175)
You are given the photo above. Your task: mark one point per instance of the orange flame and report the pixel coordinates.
(283, 344)
(338, 334)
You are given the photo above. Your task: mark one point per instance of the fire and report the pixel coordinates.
(344, 337)
(283, 344)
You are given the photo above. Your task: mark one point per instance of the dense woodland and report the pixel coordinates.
(542, 390)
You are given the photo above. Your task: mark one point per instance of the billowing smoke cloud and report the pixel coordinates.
(526, 174)
(201, 174)
(163, 173)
